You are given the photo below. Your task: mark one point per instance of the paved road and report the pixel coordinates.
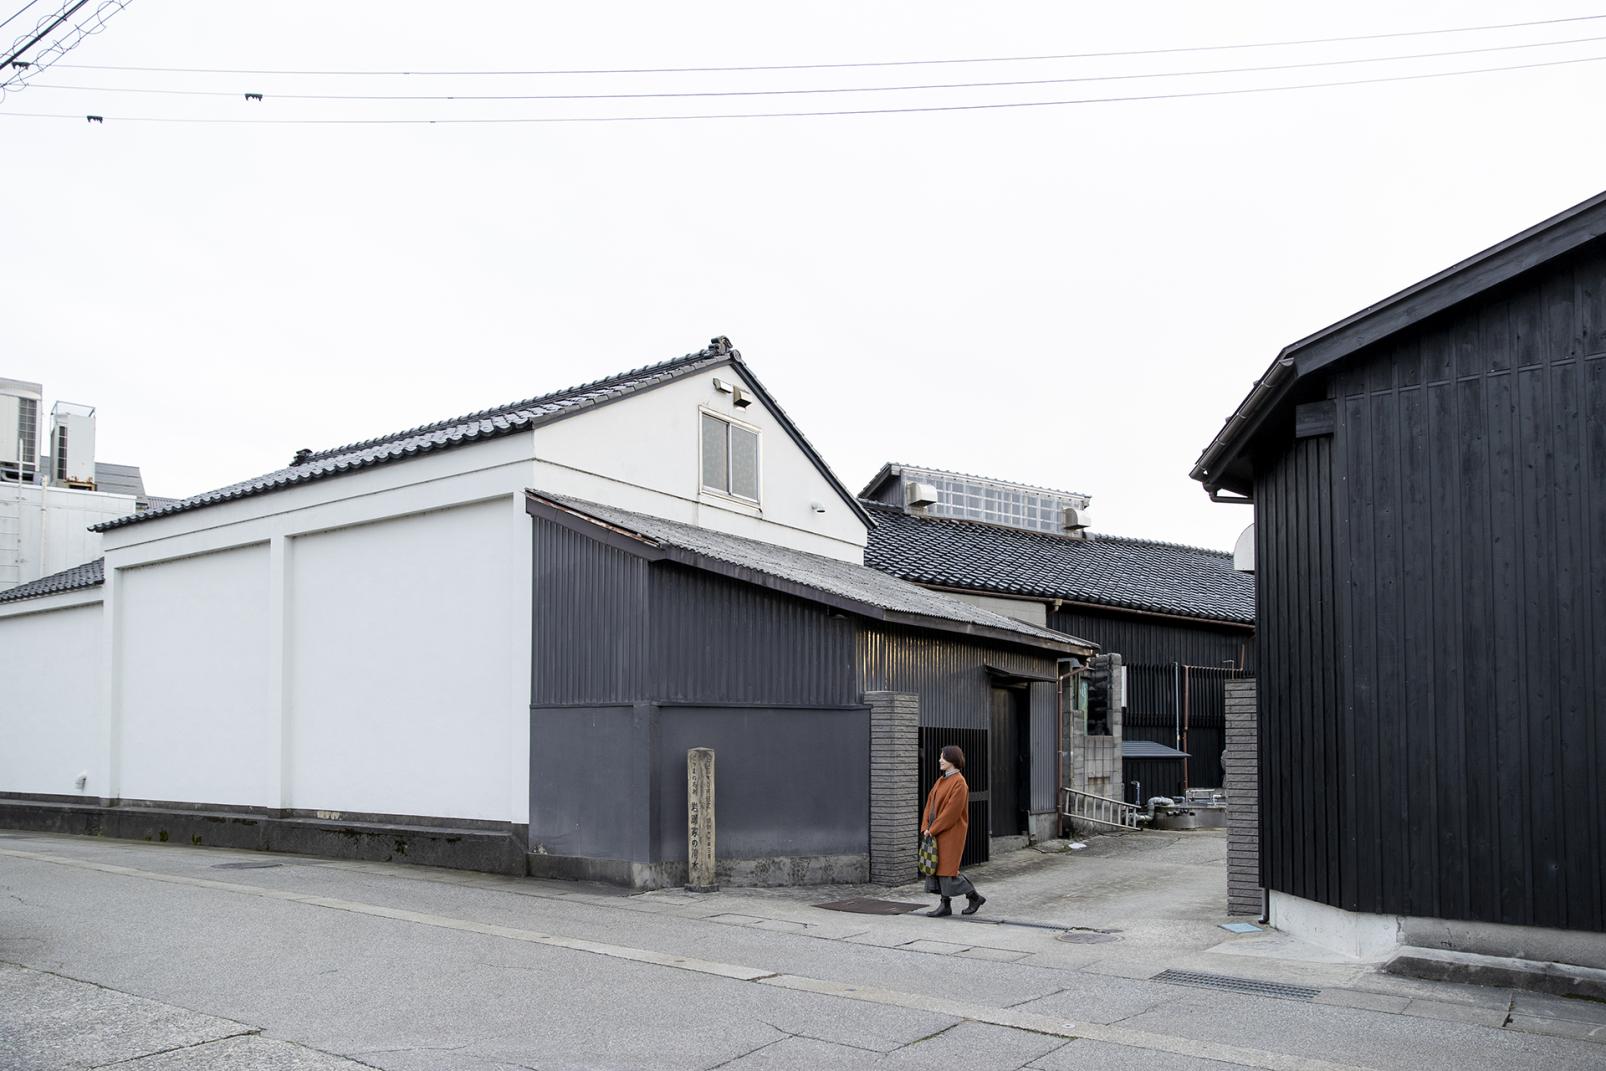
(160, 958)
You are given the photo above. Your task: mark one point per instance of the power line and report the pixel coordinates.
(829, 89)
(840, 66)
(19, 11)
(491, 120)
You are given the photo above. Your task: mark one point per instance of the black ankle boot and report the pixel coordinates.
(976, 900)
(940, 910)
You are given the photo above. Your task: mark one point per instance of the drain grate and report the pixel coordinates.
(1251, 986)
(243, 866)
(867, 906)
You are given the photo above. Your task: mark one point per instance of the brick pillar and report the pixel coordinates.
(1242, 762)
(894, 786)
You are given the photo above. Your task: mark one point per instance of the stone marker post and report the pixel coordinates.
(700, 820)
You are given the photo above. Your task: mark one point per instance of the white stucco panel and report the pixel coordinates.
(49, 700)
(644, 453)
(193, 719)
(398, 654)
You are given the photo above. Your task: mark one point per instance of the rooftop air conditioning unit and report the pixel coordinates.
(919, 495)
(19, 429)
(72, 445)
(1075, 520)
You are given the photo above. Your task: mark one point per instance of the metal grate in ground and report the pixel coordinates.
(867, 906)
(1252, 986)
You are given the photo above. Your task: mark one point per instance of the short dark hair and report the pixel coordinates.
(954, 755)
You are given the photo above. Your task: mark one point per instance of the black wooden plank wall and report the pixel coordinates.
(1303, 755)
(1451, 767)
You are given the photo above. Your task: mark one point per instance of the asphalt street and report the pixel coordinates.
(161, 957)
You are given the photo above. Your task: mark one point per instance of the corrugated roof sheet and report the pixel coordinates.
(828, 576)
(1136, 574)
(92, 574)
(458, 431)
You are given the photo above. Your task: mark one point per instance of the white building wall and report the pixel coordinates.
(49, 699)
(44, 530)
(191, 707)
(643, 453)
(398, 665)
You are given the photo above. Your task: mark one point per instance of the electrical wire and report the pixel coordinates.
(840, 66)
(829, 89)
(490, 120)
(19, 11)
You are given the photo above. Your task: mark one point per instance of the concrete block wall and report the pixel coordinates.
(1242, 763)
(894, 785)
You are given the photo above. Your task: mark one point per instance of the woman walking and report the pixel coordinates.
(947, 818)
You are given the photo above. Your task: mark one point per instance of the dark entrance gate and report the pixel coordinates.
(1184, 707)
(973, 742)
(1010, 772)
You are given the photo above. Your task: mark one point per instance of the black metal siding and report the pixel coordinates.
(955, 690)
(1434, 748)
(1157, 641)
(589, 631)
(715, 640)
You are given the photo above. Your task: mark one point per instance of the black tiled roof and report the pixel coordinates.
(441, 435)
(90, 575)
(1136, 574)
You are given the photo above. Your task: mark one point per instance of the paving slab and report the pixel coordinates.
(1089, 1055)
(246, 1053)
(1560, 1028)
(53, 1023)
(1355, 998)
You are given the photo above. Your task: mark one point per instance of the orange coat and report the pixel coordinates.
(947, 817)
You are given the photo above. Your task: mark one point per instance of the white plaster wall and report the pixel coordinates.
(399, 653)
(192, 719)
(49, 697)
(643, 453)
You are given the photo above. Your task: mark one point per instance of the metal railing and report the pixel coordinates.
(1101, 810)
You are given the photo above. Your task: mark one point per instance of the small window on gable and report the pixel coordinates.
(730, 458)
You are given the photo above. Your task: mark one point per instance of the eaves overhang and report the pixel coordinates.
(645, 546)
(1223, 466)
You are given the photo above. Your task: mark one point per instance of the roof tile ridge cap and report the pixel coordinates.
(1111, 537)
(512, 408)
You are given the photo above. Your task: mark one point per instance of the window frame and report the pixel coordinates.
(726, 492)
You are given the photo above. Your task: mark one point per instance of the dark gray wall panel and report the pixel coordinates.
(788, 782)
(591, 778)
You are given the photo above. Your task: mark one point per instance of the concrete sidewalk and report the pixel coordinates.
(165, 957)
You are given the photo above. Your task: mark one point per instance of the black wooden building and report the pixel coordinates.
(1180, 617)
(1429, 488)
(651, 637)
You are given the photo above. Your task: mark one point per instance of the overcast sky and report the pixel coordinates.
(1070, 295)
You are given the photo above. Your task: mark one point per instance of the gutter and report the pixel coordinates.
(1249, 414)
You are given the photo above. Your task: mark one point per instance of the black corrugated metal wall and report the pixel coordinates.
(1433, 618)
(1143, 640)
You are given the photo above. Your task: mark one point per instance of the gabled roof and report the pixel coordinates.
(843, 585)
(1133, 574)
(89, 575)
(490, 424)
(1222, 465)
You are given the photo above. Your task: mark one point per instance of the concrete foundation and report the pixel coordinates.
(493, 847)
(1376, 937)
(733, 873)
